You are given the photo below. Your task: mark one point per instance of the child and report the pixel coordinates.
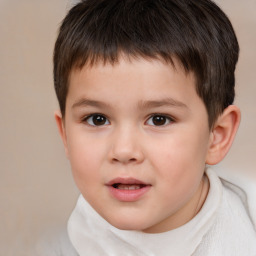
(145, 89)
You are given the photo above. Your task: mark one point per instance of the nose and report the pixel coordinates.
(126, 147)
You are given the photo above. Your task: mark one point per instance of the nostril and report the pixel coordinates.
(124, 160)
(115, 160)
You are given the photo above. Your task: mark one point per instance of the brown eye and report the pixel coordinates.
(159, 120)
(97, 120)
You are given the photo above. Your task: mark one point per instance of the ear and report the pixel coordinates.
(61, 127)
(223, 134)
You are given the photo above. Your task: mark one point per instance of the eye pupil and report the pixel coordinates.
(99, 120)
(159, 120)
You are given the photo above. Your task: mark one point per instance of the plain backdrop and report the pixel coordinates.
(37, 192)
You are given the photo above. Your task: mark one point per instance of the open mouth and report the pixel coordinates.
(128, 186)
(128, 189)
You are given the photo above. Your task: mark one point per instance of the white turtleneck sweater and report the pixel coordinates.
(223, 227)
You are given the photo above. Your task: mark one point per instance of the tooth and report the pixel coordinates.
(128, 187)
(134, 187)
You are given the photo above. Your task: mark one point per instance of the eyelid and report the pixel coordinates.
(87, 117)
(168, 117)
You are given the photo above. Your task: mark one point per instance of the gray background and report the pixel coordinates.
(37, 192)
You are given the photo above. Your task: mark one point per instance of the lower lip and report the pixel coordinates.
(126, 195)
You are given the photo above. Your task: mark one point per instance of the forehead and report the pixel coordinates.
(133, 80)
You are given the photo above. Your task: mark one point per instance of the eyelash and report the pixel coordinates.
(91, 116)
(103, 119)
(167, 119)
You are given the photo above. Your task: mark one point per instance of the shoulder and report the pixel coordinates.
(233, 231)
(241, 186)
(55, 244)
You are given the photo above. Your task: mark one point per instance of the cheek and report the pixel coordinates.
(181, 158)
(85, 158)
(180, 169)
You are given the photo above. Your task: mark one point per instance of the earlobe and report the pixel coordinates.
(60, 124)
(223, 134)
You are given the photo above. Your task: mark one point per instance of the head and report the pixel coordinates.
(145, 91)
(196, 33)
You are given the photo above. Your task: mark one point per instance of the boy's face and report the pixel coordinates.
(137, 138)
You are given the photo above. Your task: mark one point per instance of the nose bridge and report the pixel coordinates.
(126, 146)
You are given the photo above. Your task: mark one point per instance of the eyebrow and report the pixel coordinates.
(87, 102)
(170, 102)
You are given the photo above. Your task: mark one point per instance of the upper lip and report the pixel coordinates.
(128, 181)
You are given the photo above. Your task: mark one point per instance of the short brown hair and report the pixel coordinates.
(196, 32)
